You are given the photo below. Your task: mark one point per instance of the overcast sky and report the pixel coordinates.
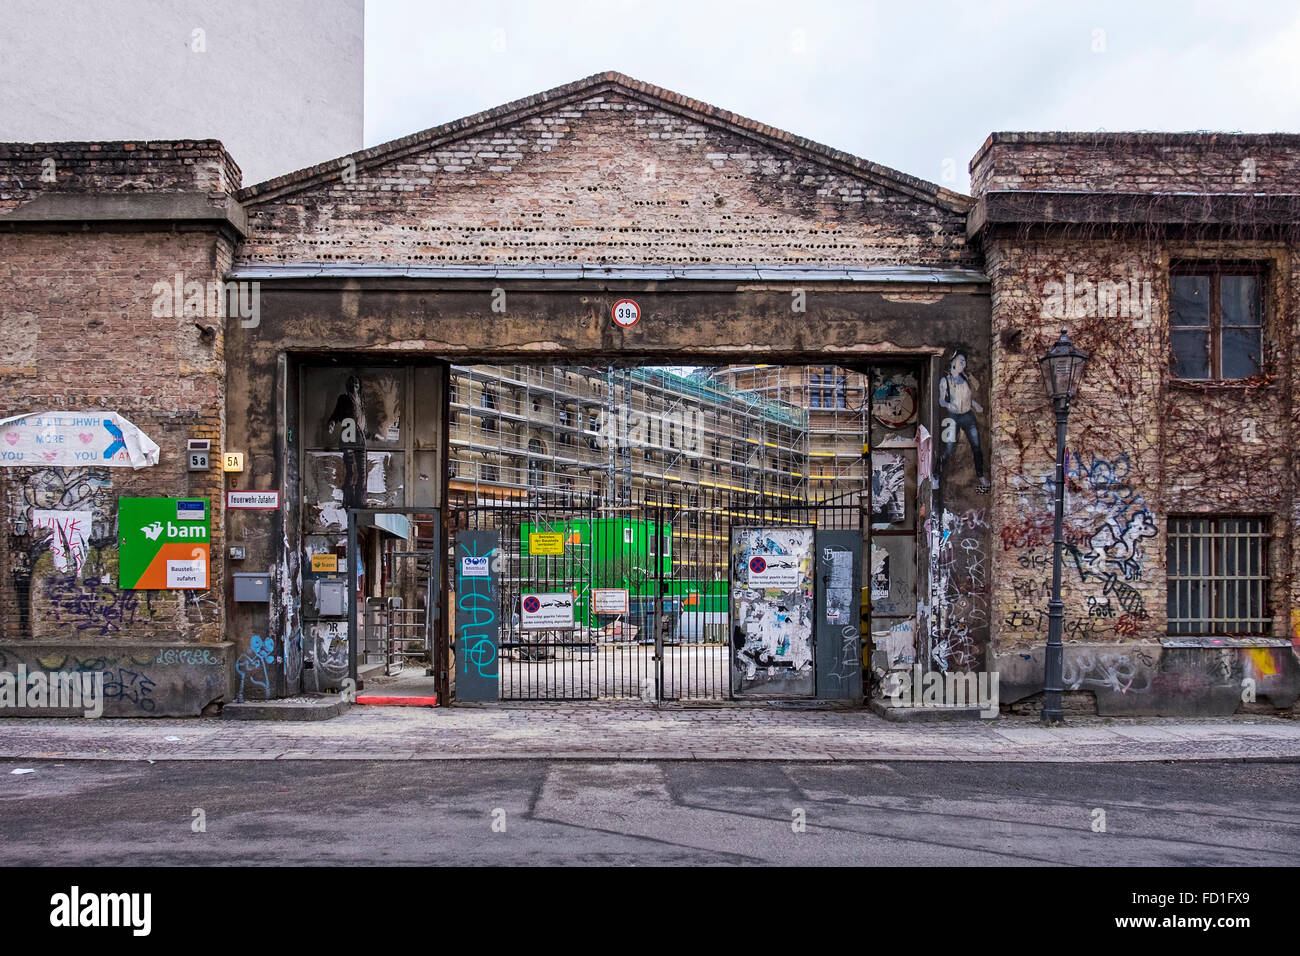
(915, 86)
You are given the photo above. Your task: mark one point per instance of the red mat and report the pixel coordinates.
(397, 701)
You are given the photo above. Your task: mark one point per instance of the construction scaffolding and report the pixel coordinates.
(837, 402)
(560, 432)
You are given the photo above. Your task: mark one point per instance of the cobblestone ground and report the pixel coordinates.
(635, 730)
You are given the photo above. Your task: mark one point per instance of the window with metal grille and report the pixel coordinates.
(1218, 575)
(1216, 319)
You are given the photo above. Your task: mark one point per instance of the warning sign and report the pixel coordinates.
(609, 600)
(163, 543)
(775, 571)
(547, 612)
(545, 542)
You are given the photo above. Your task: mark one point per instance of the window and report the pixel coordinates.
(1216, 318)
(489, 398)
(827, 389)
(489, 426)
(1218, 575)
(490, 473)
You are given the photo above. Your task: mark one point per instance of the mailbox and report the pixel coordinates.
(252, 587)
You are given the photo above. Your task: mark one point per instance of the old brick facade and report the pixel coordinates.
(393, 256)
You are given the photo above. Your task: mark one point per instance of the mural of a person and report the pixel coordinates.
(957, 398)
(349, 419)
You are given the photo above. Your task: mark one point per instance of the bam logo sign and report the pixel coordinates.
(164, 543)
(154, 530)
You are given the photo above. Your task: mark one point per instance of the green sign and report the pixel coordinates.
(163, 543)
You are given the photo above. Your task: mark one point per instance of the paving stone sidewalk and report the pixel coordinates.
(641, 732)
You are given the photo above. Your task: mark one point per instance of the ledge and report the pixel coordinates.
(53, 208)
(1259, 211)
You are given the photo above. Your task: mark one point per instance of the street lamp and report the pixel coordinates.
(1062, 368)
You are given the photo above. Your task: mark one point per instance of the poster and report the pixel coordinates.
(77, 439)
(772, 612)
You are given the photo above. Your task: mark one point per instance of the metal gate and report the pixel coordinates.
(647, 581)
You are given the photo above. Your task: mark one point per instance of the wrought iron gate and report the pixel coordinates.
(648, 582)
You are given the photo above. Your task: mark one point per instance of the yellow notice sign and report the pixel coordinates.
(325, 562)
(545, 542)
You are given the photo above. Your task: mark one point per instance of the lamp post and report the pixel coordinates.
(1062, 368)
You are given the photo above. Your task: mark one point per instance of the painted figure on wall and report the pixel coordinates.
(957, 398)
(349, 419)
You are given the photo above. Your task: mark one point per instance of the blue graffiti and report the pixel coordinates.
(249, 665)
(479, 650)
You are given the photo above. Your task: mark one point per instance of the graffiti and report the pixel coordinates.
(90, 604)
(1118, 546)
(1028, 590)
(73, 511)
(1130, 599)
(1099, 607)
(958, 581)
(1031, 531)
(1117, 672)
(197, 656)
(478, 650)
(69, 532)
(133, 686)
(251, 667)
(201, 600)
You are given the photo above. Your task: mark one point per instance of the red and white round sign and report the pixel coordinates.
(626, 313)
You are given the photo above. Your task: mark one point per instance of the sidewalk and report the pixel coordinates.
(637, 731)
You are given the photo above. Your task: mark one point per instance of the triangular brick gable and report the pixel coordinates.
(607, 170)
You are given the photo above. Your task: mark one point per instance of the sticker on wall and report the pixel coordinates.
(159, 551)
(79, 439)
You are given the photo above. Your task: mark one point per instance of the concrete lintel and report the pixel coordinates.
(53, 207)
(1014, 208)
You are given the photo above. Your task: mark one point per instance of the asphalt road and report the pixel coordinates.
(558, 812)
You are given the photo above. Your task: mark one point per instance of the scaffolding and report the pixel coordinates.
(837, 401)
(580, 432)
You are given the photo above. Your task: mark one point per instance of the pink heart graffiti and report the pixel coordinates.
(50, 455)
(86, 438)
(11, 438)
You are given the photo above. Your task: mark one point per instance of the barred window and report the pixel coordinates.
(1218, 575)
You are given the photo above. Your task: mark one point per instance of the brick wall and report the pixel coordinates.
(607, 178)
(29, 169)
(82, 331)
(1137, 162)
(1143, 445)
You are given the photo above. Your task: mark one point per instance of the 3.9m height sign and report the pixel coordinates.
(163, 543)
